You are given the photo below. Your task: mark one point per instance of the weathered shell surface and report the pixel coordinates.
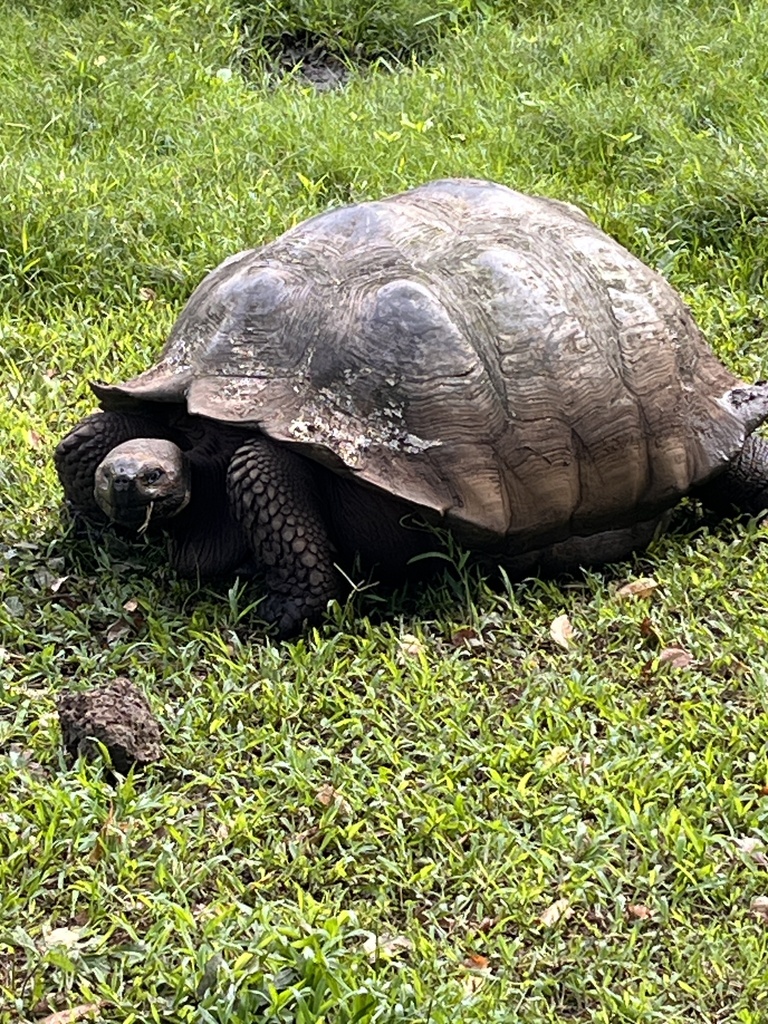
(486, 354)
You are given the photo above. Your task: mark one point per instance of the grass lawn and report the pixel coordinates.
(428, 809)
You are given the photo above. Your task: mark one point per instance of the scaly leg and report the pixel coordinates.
(273, 495)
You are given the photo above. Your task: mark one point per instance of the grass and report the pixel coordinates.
(479, 773)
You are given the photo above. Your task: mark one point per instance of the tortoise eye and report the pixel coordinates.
(153, 476)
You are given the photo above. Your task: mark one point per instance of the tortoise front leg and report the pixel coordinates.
(79, 453)
(273, 495)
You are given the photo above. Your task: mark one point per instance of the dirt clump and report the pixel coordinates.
(116, 715)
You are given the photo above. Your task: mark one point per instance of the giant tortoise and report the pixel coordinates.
(459, 356)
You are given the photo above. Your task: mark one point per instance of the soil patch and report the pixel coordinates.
(311, 60)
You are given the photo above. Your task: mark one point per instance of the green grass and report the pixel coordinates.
(482, 772)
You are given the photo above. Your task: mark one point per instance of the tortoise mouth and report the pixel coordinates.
(142, 481)
(131, 508)
(126, 507)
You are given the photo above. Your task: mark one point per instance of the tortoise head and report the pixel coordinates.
(143, 479)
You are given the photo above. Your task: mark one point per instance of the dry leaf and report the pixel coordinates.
(100, 847)
(48, 1004)
(557, 910)
(307, 835)
(69, 937)
(747, 844)
(649, 632)
(410, 645)
(561, 631)
(34, 439)
(327, 796)
(75, 1013)
(639, 911)
(553, 757)
(20, 755)
(147, 294)
(467, 637)
(759, 907)
(487, 924)
(677, 657)
(118, 630)
(753, 848)
(472, 982)
(377, 946)
(642, 587)
(131, 605)
(475, 962)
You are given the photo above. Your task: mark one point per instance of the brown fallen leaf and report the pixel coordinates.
(676, 657)
(327, 796)
(475, 962)
(487, 924)
(467, 637)
(649, 632)
(555, 911)
(561, 631)
(100, 846)
(75, 1013)
(147, 294)
(34, 439)
(134, 622)
(639, 911)
(759, 907)
(48, 1004)
(636, 589)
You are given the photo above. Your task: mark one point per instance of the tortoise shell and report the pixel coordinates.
(488, 355)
